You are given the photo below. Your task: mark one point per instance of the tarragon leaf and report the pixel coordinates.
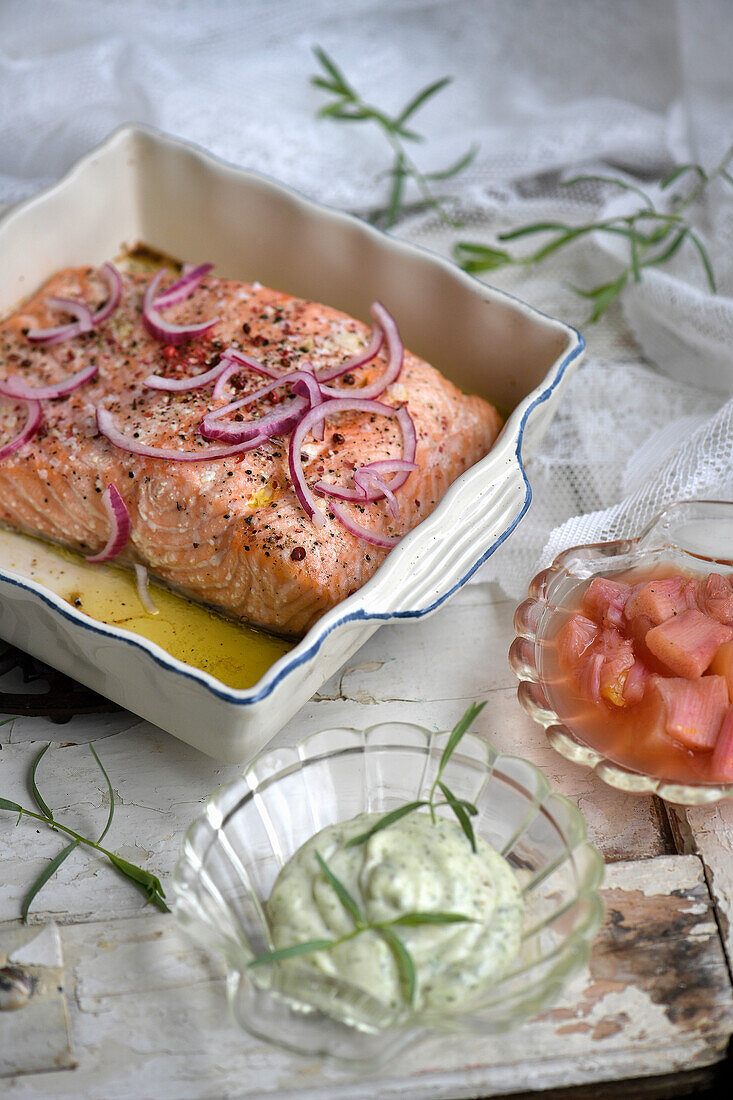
(333, 70)
(421, 98)
(37, 798)
(306, 948)
(340, 890)
(461, 727)
(456, 167)
(384, 822)
(681, 170)
(668, 252)
(475, 258)
(702, 252)
(403, 961)
(414, 919)
(615, 183)
(111, 813)
(48, 871)
(6, 804)
(606, 295)
(145, 880)
(459, 810)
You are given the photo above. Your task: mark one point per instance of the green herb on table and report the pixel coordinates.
(463, 810)
(653, 235)
(148, 883)
(347, 105)
(385, 929)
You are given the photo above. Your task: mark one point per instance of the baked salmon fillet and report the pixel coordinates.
(231, 532)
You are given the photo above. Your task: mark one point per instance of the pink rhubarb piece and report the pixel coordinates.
(722, 665)
(635, 683)
(618, 658)
(721, 764)
(660, 600)
(588, 676)
(604, 600)
(688, 642)
(715, 598)
(694, 709)
(573, 639)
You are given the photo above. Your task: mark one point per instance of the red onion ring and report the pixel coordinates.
(84, 323)
(14, 386)
(85, 319)
(106, 426)
(276, 422)
(364, 477)
(178, 385)
(314, 416)
(120, 525)
(235, 360)
(29, 429)
(183, 287)
(396, 352)
(359, 360)
(141, 576)
(165, 330)
(114, 281)
(354, 528)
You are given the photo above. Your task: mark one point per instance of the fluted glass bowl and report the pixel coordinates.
(233, 853)
(696, 536)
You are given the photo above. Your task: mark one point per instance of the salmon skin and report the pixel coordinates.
(230, 532)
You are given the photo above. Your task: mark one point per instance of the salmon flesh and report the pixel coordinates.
(229, 532)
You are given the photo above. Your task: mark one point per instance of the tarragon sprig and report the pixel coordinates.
(385, 929)
(463, 809)
(348, 105)
(653, 235)
(144, 880)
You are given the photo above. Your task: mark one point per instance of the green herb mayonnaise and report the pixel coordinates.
(412, 865)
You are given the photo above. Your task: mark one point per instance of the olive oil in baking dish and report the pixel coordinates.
(235, 654)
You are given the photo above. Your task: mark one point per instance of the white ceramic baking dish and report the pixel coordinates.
(143, 186)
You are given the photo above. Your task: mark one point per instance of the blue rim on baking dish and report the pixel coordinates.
(423, 552)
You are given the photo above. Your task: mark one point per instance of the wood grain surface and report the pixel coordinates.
(147, 1011)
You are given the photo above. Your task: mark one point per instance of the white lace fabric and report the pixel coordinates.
(547, 88)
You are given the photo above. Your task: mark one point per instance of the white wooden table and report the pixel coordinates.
(128, 1008)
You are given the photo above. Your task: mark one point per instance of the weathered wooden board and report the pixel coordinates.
(708, 830)
(149, 1016)
(405, 673)
(34, 1037)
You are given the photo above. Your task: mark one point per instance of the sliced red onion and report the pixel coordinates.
(178, 385)
(359, 360)
(114, 281)
(165, 330)
(401, 467)
(365, 477)
(235, 360)
(16, 387)
(342, 515)
(315, 416)
(84, 323)
(29, 429)
(120, 525)
(85, 319)
(276, 422)
(141, 575)
(396, 358)
(106, 426)
(184, 287)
